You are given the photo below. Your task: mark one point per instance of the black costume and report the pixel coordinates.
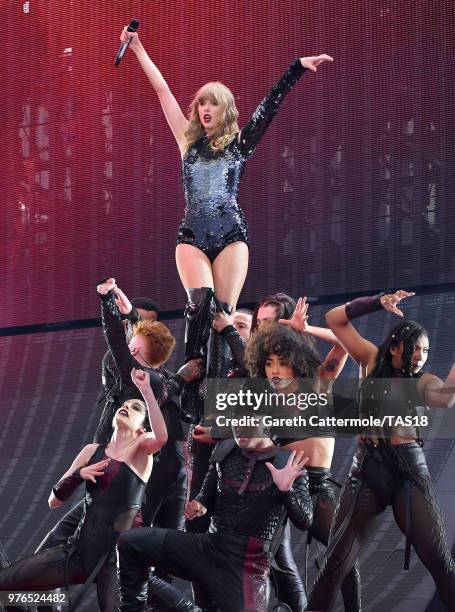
(233, 559)
(110, 507)
(383, 474)
(324, 504)
(213, 218)
(165, 494)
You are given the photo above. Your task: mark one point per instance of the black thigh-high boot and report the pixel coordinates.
(219, 360)
(219, 354)
(198, 318)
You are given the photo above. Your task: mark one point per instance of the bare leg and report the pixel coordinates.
(229, 272)
(193, 266)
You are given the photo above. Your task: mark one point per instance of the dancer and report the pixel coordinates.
(115, 475)
(249, 490)
(151, 343)
(389, 467)
(284, 354)
(236, 330)
(212, 243)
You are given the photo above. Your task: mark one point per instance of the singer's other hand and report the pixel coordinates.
(125, 35)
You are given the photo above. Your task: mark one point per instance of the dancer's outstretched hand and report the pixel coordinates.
(194, 509)
(285, 477)
(389, 302)
(104, 288)
(123, 303)
(299, 320)
(95, 469)
(314, 61)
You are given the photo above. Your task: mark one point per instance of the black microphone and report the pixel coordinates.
(132, 27)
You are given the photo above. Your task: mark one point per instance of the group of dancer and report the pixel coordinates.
(218, 515)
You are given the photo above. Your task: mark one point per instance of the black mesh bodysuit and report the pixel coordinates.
(213, 218)
(111, 506)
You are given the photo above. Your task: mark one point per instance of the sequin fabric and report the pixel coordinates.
(240, 494)
(213, 219)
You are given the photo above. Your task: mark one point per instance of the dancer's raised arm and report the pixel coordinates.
(339, 320)
(172, 111)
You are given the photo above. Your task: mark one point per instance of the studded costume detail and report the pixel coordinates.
(242, 498)
(213, 218)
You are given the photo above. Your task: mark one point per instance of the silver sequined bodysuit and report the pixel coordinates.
(213, 218)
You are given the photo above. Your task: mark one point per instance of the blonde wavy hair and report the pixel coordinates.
(218, 94)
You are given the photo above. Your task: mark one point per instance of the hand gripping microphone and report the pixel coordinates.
(132, 27)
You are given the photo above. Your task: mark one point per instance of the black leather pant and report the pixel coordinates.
(396, 476)
(288, 583)
(324, 505)
(233, 569)
(287, 580)
(199, 456)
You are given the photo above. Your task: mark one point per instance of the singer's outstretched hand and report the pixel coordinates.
(312, 62)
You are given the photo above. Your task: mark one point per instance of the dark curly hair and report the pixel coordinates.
(278, 339)
(407, 332)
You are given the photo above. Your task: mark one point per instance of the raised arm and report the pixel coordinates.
(150, 442)
(337, 356)
(172, 111)
(339, 320)
(252, 133)
(114, 332)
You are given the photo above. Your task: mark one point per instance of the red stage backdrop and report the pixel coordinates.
(351, 189)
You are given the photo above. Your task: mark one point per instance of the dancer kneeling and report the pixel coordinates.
(116, 474)
(249, 490)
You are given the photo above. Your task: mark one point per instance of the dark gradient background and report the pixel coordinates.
(351, 190)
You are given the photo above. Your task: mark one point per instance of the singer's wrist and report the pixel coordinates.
(139, 48)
